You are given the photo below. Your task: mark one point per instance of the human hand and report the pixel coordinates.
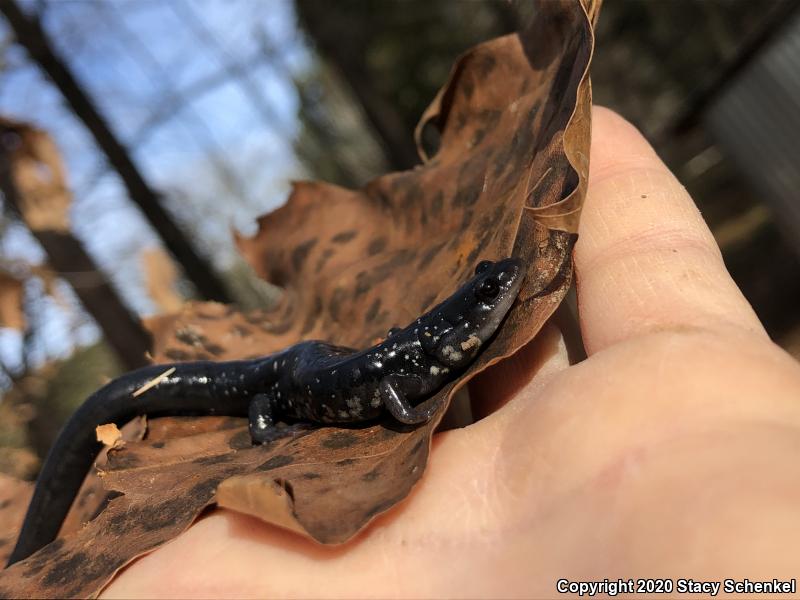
(672, 451)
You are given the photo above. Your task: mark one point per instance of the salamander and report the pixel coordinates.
(311, 381)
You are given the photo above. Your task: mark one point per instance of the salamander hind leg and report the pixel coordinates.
(261, 416)
(395, 400)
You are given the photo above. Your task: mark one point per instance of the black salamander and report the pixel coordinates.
(311, 381)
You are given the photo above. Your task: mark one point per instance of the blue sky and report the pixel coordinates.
(220, 150)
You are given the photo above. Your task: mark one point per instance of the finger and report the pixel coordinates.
(645, 259)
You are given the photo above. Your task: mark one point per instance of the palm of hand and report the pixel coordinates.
(670, 452)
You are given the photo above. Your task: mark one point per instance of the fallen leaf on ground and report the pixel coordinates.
(508, 178)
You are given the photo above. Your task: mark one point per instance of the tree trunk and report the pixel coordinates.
(65, 253)
(31, 36)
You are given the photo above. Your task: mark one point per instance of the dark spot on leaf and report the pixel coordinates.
(345, 462)
(157, 445)
(165, 513)
(254, 317)
(214, 349)
(472, 257)
(278, 274)
(466, 221)
(300, 253)
(65, 570)
(121, 521)
(460, 121)
(190, 336)
(467, 88)
(437, 203)
(204, 490)
(311, 475)
(372, 475)
(372, 311)
(106, 500)
(280, 460)
(177, 355)
(335, 304)
(312, 316)
(176, 510)
(240, 441)
(415, 449)
(46, 554)
(381, 507)
(5, 503)
(339, 439)
(485, 64)
(344, 236)
(427, 302)
(430, 254)
(377, 245)
(210, 460)
(326, 255)
(241, 331)
(123, 459)
(363, 283)
(365, 280)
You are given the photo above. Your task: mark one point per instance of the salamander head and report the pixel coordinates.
(471, 316)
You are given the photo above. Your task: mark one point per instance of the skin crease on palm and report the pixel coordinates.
(672, 451)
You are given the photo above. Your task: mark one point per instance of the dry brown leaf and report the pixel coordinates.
(160, 276)
(508, 178)
(11, 293)
(39, 174)
(108, 434)
(14, 497)
(93, 497)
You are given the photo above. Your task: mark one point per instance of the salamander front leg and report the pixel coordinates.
(394, 399)
(261, 415)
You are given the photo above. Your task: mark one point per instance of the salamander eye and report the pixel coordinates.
(482, 266)
(488, 289)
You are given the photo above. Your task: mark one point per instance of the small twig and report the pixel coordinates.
(154, 382)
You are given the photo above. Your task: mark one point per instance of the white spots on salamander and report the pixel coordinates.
(473, 341)
(261, 422)
(451, 353)
(343, 414)
(434, 370)
(354, 404)
(275, 366)
(376, 399)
